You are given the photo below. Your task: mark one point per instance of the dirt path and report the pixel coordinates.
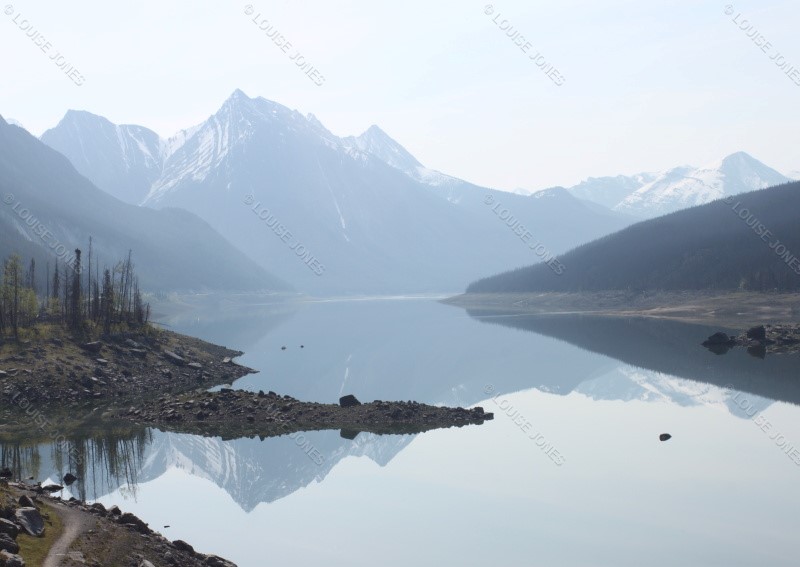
(75, 524)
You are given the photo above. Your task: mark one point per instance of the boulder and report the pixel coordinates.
(758, 333)
(718, 339)
(69, 478)
(8, 544)
(216, 561)
(349, 401)
(11, 560)
(93, 347)
(128, 519)
(26, 502)
(174, 358)
(114, 510)
(181, 545)
(664, 437)
(30, 520)
(9, 528)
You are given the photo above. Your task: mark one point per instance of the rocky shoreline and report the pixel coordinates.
(237, 413)
(56, 384)
(162, 379)
(759, 341)
(90, 534)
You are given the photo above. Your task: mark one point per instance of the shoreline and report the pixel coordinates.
(83, 534)
(734, 309)
(162, 379)
(53, 387)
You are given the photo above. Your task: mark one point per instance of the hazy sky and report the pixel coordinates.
(646, 85)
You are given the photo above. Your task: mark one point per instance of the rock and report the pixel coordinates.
(114, 510)
(283, 348)
(758, 333)
(174, 358)
(26, 502)
(3, 373)
(349, 434)
(10, 560)
(131, 343)
(30, 520)
(52, 488)
(69, 478)
(348, 401)
(664, 437)
(9, 528)
(8, 544)
(718, 339)
(757, 351)
(98, 507)
(196, 365)
(6, 473)
(215, 561)
(181, 545)
(101, 361)
(145, 563)
(128, 519)
(93, 346)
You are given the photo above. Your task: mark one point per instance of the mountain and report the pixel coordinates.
(13, 122)
(680, 188)
(344, 215)
(745, 242)
(122, 160)
(610, 191)
(648, 195)
(49, 209)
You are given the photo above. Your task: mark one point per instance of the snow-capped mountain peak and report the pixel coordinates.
(653, 194)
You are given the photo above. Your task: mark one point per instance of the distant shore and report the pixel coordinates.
(718, 307)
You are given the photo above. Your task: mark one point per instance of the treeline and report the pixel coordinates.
(750, 242)
(72, 295)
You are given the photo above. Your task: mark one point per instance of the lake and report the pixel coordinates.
(570, 472)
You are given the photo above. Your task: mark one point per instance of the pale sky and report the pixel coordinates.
(647, 85)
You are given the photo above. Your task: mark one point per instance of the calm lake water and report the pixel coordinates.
(570, 472)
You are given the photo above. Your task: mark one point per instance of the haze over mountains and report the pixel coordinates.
(48, 206)
(360, 214)
(369, 213)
